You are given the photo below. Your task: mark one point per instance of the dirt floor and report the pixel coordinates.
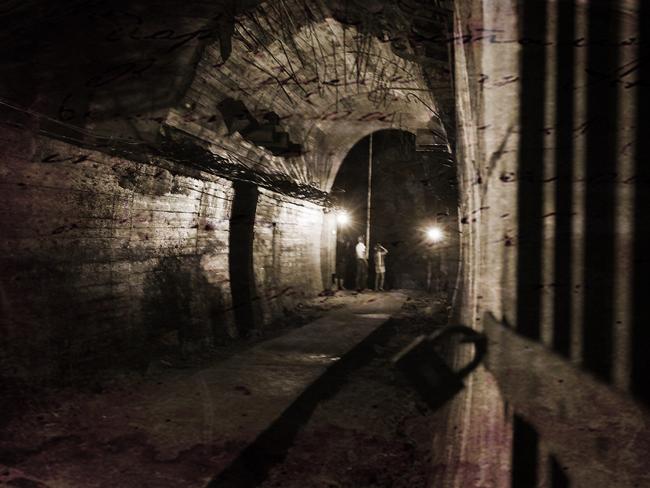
(366, 428)
(374, 432)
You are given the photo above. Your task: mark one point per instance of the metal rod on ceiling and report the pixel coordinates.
(369, 195)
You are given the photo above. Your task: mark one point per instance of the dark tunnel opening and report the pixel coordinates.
(411, 192)
(240, 257)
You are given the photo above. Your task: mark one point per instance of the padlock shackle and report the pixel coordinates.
(471, 335)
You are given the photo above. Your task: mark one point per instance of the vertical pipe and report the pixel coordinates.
(369, 195)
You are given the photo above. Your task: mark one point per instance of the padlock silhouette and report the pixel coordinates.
(432, 377)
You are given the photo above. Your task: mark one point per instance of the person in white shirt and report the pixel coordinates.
(362, 264)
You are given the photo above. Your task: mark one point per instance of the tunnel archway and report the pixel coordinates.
(411, 192)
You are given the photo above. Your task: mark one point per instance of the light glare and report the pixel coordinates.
(343, 218)
(434, 234)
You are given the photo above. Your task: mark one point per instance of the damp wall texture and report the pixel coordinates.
(550, 101)
(287, 252)
(101, 257)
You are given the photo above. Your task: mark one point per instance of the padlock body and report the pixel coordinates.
(434, 380)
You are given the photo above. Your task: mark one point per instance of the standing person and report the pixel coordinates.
(362, 264)
(435, 273)
(380, 266)
(341, 262)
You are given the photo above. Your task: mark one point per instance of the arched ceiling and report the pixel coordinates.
(332, 71)
(330, 85)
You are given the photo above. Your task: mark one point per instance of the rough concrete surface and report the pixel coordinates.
(373, 430)
(189, 427)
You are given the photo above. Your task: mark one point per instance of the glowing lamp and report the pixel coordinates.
(434, 234)
(342, 218)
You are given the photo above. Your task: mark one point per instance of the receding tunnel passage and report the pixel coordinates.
(411, 192)
(324, 243)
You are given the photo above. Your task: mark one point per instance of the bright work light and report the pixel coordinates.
(434, 234)
(342, 217)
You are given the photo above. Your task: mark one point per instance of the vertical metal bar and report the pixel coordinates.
(369, 195)
(564, 117)
(525, 447)
(641, 309)
(600, 211)
(559, 478)
(531, 163)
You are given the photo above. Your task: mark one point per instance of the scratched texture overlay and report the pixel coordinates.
(171, 173)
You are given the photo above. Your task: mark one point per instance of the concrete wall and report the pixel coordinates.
(287, 255)
(475, 448)
(546, 148)
(102, 256)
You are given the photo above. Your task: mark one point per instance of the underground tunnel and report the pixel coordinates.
(410, 193)
(324, 243)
